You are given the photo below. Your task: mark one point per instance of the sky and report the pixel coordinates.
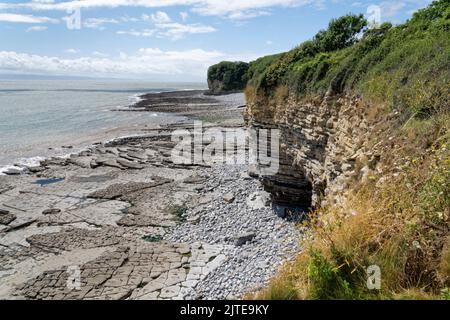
(164, 40)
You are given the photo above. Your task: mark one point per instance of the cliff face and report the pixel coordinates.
(322, 147)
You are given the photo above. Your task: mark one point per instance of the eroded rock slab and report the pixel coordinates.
(144, 271)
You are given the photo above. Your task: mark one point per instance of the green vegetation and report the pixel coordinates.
(399, 219)
(227, 76)
(152, 238)
(405, 66)
(179, 212)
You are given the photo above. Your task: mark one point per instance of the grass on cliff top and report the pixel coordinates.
(404, 66)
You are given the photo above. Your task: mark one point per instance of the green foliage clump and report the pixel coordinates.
(227, 76)
(340, 34)
(403, 67)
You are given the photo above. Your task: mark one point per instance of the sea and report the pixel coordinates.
(43, 118)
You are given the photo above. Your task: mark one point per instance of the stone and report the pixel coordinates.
(51, 211)
(228, 197)
(6, 217)
(129, 164)
(243, 238)
(258, 200)
(12, 172)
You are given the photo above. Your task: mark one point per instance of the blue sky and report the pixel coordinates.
(164, 40)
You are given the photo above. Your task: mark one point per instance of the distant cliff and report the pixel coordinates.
(226, 77)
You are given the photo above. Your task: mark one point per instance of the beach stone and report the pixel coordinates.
(244, 237)
(6, 217)
(12, 172)
(258, 200)
(228, 197)
(35, 169)
(51, 211)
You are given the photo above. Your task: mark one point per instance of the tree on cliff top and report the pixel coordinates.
(227, 76)
(342, 32)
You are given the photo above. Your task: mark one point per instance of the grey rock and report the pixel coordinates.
(243, 238)
(6, 217)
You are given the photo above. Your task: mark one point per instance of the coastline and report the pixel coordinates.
(138, 226)
(67, 147)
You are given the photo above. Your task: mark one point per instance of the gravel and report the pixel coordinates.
(251, 264)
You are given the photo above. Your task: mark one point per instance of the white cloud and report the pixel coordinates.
(166, 28)
(141, 33)
(22, 18)
(98, 23)
(390, 9)
(245, 15)
(176, 31)
(146, 62)
(269, 42)
(71, 51)
(223, 8)
(99, 54)
(158, 17)
(37, 28)
(184, 15)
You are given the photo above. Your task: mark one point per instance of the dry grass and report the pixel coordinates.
(399, 221)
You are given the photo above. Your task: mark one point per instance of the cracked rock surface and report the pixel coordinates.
(120, 220)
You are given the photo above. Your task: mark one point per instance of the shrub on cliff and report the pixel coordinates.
(389, 65)
(341, 33)
(227, 76)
